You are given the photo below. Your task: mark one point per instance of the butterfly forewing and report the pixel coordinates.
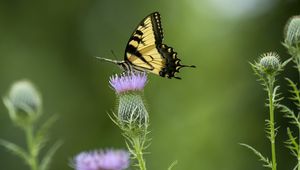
(141, 47)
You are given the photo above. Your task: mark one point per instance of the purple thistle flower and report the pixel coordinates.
(102, 160)
(128, 81)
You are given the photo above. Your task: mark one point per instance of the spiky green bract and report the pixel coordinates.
(132, 112)
(133, 119)
(267, 69)
(24, 107)
(270, 63)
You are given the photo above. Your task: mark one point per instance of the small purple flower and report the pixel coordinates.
(102, 160)
(128, 81)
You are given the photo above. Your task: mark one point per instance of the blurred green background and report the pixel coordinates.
(198, 121)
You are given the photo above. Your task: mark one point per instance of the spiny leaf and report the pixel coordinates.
(16, 150)
(48, 157)
(265, 160)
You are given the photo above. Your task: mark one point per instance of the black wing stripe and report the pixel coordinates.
(137, 39)
(132, 50)
(156, 23)
(139, 32)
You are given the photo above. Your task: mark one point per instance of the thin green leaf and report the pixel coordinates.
(265, 160)
(16, 150)
(291, 143)
(114, 119)
(41, 134)
(288, 113)
(172, 165)
(275, 92)
(286, 61)
(294, 91)
(48, 157)
(46, 126)
(296, 167)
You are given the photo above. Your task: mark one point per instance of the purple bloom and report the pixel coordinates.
(102, 160)
(128, 81)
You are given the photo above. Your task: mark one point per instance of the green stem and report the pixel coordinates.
(272, 121)
(298, 147)
(138, 149)
(298, 67)
(33, 163)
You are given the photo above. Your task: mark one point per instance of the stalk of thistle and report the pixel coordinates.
(292, 39)
(292, 43)
(132, 116)
(24, 104)
(267, 69)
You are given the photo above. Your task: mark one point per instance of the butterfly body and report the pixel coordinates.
(145, 51)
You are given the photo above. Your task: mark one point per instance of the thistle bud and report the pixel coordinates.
(128, 86)
(270, 63)
(23, 103)
(292, 31)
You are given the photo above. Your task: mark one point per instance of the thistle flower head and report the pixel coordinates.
(132, 113)
(102, 160)
(128, 81)
(292, 31)
(270, 63)
(23, 102)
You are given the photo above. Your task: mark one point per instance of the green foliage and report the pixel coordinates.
(292, 31)
(136, 137)
(266, 70)
(16, 150)
(292, 42)
(295, 92)
(24, 107)
(172, 165)
(45, 162)
(291, 143)
(266, 162)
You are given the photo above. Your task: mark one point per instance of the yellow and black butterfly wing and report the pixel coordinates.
(145, 51)
(143, 41)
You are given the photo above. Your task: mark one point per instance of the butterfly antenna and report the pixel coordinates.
(108, 60)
